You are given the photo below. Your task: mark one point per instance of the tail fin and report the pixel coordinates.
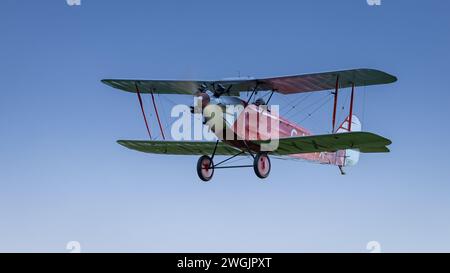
(351, 155)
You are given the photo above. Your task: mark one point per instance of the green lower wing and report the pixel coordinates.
(179, 147)
(362, 141)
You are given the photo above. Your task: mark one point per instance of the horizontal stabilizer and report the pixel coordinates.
(369, 150)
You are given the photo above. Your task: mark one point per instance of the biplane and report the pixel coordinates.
(340, 148)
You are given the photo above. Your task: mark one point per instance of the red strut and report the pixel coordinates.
(157, 116)
(335, 102)
(142, 109)
(351, 109)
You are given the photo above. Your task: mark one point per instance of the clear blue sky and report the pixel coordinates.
(64, 178)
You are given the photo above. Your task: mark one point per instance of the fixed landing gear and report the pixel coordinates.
(205, 166)
(261, 165)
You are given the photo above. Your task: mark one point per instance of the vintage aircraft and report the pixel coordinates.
(341, 148)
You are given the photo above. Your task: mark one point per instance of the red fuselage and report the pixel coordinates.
(242, 127)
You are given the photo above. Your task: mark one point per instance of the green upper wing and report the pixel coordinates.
(327, 80)
(284, 85)
(179, 147)
(176, 87)
(362, 141)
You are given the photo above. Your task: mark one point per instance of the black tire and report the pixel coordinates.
(205, 168)
(262, 165)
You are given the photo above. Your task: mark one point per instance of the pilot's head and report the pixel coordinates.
(260, 101)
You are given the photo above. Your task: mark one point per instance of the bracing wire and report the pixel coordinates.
(327, 96)
(342, 108)
(165, 123)
(296, 102)
(238, 159)
(317, 109)
(364, 109)
(167, 102)
(163, 111)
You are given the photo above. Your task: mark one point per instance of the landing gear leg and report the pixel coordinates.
(341, 169)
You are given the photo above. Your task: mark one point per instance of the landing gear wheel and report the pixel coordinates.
(261, 165)
(205, 168)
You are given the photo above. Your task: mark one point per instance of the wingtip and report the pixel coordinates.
(393, 78)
